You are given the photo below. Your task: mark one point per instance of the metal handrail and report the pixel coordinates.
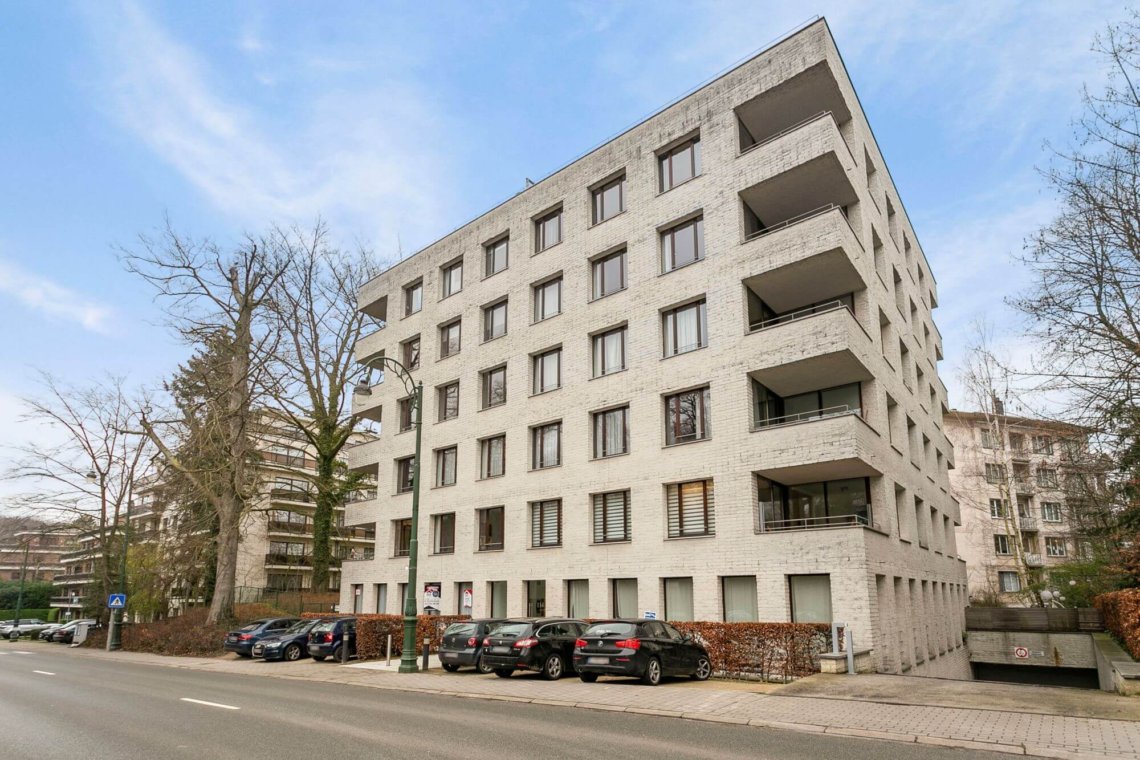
(795, 316)
(811, 523)
(791, 221)
(815, 414)
(786, 131)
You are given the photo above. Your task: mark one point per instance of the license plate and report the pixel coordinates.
(448, 655)
(597, 660)
(501, 650)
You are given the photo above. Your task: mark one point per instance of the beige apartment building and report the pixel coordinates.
(1016, 516)
(693, 374)
(35, 554)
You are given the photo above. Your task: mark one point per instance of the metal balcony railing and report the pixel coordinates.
(1033, 560)
(814, 414)
(795, 316)
(811, 523)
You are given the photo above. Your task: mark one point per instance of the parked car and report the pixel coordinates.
(47, 631)
(463, 644)
(291, 644)
(66, 633)
(27, 627)
(645, 649)
(545, 645)
(326, 636)
(243, 639)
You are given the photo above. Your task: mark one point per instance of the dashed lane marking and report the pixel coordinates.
(210, 704)
(44, 672)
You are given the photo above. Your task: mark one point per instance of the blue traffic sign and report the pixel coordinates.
(117, 601)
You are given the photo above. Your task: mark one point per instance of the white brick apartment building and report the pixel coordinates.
(692, 373)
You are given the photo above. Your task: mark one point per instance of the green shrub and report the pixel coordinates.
(39, 613)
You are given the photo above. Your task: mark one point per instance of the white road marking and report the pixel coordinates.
(210, 704)
(17, 651)
(43, 672)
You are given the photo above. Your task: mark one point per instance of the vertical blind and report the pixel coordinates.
(546, 523)
(691, 509)
(611, 517)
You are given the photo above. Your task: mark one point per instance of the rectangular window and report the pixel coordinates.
(690, 508)
(1042, 444)
(611, 517)
(490, 529)
(497, 598)
(678, 598)
(402, 534)
(548, 299)
(1001, 544)
(495, 320)
(680, 164)
(1009, 582)
(687, 416)
(609, 199)
(547, 370)
(609, 352)
(492, 456)
(405, 471)
(406, 407)
(995, 473)
(608, 275)
(380, 594)
(445, 461)
(413, 297)
(546, 523)
(546, 448)
(624, 593)
(495, 257)
(494, 387)
(1051, 511)
(988, 437)
(450, 338)
(449, 401)
(814, 505)
(683, 244)
(738, 592)
(1046, 477)
(611, 432)
(452, 278)
(998, 508)
(811, 598)
(443, 533)
(578, 599)
(1055, 546)
(685, 328)
(548, 231)
(411, 353)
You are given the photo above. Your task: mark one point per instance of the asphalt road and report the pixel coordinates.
(53, 705)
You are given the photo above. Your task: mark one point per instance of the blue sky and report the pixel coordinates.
(400, 121)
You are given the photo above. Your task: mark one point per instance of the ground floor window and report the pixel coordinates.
(811, 598)
(738, 593)
(624, 594)
(497, 598)
(578, 599)
(1009, 581)
(535, 598)
(357, 598)
(465, 597)
(380, 592)
(678, 598)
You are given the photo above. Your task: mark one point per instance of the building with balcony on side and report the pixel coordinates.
(1018, 517)
(693, 373)
(34, 554)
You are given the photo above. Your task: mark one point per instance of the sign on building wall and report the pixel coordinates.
(432, 598)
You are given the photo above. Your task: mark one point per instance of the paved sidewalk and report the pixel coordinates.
(975, 728)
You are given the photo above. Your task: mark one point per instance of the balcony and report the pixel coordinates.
(1033, 560)
(292, 495)
(66, 601)
(285, 526)
(811, 523)
(778, 110)
(289, 560)
(820, 348)
(357, 533)
(365, 459)
(1028, 524)
(831, 447)
(360, 555)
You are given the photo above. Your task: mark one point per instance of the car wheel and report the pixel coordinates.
(482, 666)
(704, 669)
(504, 673)
(450, 667)
(552, 669)
(336, 653)
(319, 657)
(588, 677)
(292, 653)
(652, 674)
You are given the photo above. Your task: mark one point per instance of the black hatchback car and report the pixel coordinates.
(545, 646)
(326, 637)
(243, 639)
(463, 644)
(645, 649)
(290, 645)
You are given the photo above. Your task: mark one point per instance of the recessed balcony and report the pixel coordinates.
(780, 109)
(364, 458)
(820, 448)
(821, 349)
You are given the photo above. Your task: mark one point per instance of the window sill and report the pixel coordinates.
(543, 393)
(443, 298)
(489, 408)
(446, 419)
(683, 266)
(446, 356)
(489, 551)
(403, 493)
(546, 546)
(610, 374)
(491, 340)
(445, 485)
(690, 538)
(545, 319)
(686, 443)
(543, 469)
(411, 314)
(607, 219)
(612, 543)
(489, 477)
(609, 456)
(489, 276)
(547, 248)
(441, 554)
(679, 184)
(607, 295)
(684, 353)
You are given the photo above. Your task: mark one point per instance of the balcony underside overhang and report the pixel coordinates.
(376, 308)
(816, 472)
(813, 373)
(812, 185)
(813, 90)
(811, 280)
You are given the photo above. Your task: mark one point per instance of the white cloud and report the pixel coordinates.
(52, 299)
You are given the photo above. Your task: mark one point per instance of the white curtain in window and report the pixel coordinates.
(625, 598)
(381, 591)
(679, 599)
(578, 595)
(811, 598)
(613, 343)
(498, 595)
(740, 599)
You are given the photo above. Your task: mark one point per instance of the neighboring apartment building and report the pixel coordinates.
(1016, 519)
(693, 373)
(35, 554)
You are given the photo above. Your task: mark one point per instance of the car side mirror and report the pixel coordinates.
(686, 638)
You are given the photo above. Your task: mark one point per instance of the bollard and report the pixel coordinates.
(427, 643)
(835, 636)
(344, 640)
(389, 649)
(850, 652)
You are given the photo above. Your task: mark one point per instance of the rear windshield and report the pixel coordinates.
(300, 626)
(510, 629)
(325, 625)
(461, 629)
(611, 629)
(254, 625)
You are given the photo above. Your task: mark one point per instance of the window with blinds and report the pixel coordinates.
(691, 509)
(546, 523)
(611, 517)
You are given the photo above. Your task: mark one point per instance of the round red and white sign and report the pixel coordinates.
(1020, 653)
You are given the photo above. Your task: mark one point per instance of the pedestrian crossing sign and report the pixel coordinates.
(117, 601)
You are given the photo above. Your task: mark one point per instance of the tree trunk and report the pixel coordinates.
(225, 578)
(327, 499)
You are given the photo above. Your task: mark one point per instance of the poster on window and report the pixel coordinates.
(432, 598)
(468, 599)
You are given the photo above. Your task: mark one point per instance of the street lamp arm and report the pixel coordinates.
(401, 371)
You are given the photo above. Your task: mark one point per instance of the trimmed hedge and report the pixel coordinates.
(186, 635)
(770, 651)
(39, 614)
(1121, 613)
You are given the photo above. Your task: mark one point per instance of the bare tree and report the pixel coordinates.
(218, 301)
(88, 477)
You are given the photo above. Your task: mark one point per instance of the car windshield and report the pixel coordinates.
(254, 625)
(511, 629)
(605, 630)
(461, 629)
(300, 626)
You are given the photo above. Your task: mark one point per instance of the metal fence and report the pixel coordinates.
(1055, 620)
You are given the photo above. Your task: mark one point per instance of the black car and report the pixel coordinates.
(326, 636)
(291, 644)
(243, 639)
(645, 649)
(545, 646)
(66, 633)
(463, 644)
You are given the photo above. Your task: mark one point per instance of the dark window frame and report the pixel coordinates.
(599, 211)
(538, 372)
(598, 289)
(540, 237)
(538, 435)
(486, 529)
(490, 255)
(665, 158)
(600, 418)
(670, 316)
(674, 416)
(486, 386)
(538, 523)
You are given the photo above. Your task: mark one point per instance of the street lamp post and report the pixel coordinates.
(408, 653)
